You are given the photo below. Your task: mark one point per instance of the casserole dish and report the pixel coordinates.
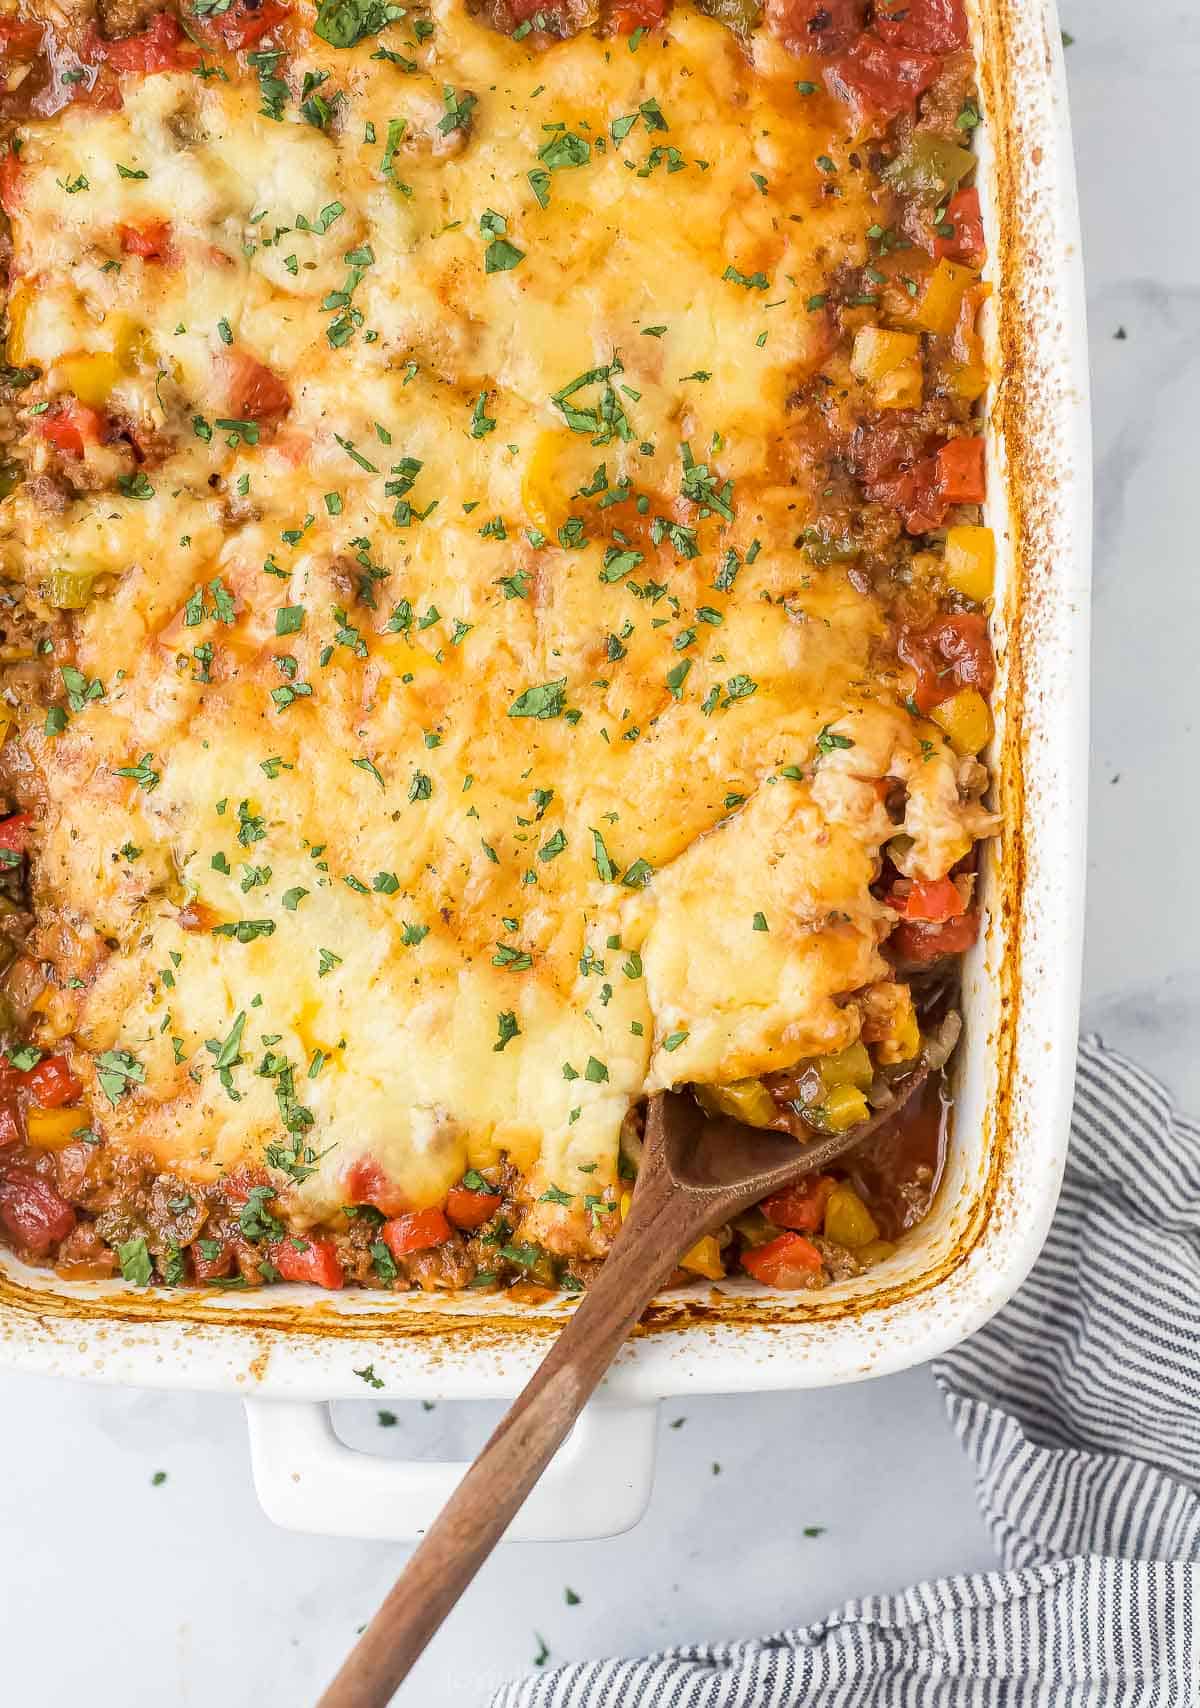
(1013, 1075)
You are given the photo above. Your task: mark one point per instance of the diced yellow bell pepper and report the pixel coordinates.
(91, 376)
(704, 1258)
(69, 589)
(626, 1202)
(971, 562)
(851, 1066)
(905, 1040)
(941, 300)
(965, 721)
(875, 1251)
(890, 363)
(52, 1129)
(969, 381)
(848, 1222)
(19, 301)
(746, 1100)
(843, 1108)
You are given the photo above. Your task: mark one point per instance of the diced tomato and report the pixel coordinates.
(896, 462)
(960, 469)
(816, 26)
(255, 392)
(32, 1211)
(14, 833)
(913, 941)
(366, 1183)
(10, 1125)
(151, 241)
(953, 653)
(878, 81)
(160, 47)
(467, 1209)
(802, 1206)
(240, 27)
(922, 26)
(416, 1232)
(212, 1268)
(964, 214)
(72, 428)
(630, 15)
(789, 1261)
(306, 1259)
(931, 901)
(19, 41)
(51, 1083)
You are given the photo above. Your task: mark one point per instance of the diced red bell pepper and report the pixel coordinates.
(214, 1267)
(14, 833)
(242, 1181)
(366, 1183)
(240, 27)
(789, 1261)
(72, 428)
(964, 214)
(302, 1258)
(255, 392)
(467, 1209)
(630, 15)
(418, 1231)
(913, 941)
(960, 471)
(802, 1206)
(930, 901)
(11, 1132)
(32, 1211)
(51, 1083)
(18, 41)
(878, 81)
(816, 26)
(160, 47)
(954, 652)
(922, 26)
(10, 182)
(151, 241)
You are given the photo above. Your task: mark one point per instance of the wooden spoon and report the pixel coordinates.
(695, 1173)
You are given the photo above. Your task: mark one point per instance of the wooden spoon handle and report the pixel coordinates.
(660, 1225)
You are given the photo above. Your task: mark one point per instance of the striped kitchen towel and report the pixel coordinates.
(1080, 1407)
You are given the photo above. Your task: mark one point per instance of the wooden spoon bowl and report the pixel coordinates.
(695, 1173)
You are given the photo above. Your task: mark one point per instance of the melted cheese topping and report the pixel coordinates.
(310, 819)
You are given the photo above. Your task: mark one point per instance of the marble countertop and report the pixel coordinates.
(178, 1590)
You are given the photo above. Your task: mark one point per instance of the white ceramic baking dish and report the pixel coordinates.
(289, 1352)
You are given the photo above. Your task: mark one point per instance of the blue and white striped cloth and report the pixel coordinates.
(1080, 1407)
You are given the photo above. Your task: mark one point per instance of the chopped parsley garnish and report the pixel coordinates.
(117, 1071)
(500, 256)
(344, 23)
(829, 739)
(506, 1029)
(547, 700)
(137, 1266)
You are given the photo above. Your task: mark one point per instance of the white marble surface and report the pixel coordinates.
(124, 1593)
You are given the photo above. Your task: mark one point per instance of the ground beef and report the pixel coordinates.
(450, 1265)
(126, 17)
(50, 492)
(943, 100)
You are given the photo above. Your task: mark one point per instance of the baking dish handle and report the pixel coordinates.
(597, 1484)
